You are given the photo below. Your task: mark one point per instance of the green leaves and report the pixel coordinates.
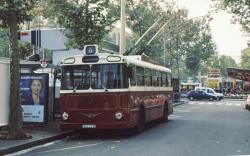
(4, 43)
(245, 59)
(241, 11)
(187, 42)
(86, 22)
(20, 8)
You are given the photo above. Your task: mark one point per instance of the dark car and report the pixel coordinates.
(201, 95)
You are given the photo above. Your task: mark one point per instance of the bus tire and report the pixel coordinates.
(165, 113)
(141, 121)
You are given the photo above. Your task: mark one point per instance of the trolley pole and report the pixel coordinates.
(122, 29)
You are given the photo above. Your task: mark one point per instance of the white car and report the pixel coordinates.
(247, 103)
(210, 91)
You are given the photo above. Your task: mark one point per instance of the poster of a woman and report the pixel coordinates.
(34, 96)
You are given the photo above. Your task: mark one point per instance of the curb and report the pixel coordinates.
(38, 142)
(179, 103)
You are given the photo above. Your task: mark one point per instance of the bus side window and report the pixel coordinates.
(148, 76)
(155, 78)
(167, 83)
(164, 80)
(132, 75)
(158, 78)
(140, 76)
(169, 79)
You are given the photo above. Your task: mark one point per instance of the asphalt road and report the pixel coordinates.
(199, 128)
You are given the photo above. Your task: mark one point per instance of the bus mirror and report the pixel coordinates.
(130, 72)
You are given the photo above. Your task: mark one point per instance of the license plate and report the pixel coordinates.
(88, 126)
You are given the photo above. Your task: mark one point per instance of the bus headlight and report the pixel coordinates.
(65, 116)
(118, 116)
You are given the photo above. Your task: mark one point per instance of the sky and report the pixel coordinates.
(227, 36)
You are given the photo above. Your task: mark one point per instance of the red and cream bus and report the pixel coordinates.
(112, 91)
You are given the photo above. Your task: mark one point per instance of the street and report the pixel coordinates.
(198, 128)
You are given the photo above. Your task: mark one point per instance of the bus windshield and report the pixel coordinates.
(98, 76)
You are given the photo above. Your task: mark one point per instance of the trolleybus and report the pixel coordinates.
(112, 91)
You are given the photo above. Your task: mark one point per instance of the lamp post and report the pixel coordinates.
(122, 29)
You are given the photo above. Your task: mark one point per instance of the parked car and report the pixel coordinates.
(200, 94)
(247, 103)
(210, 91)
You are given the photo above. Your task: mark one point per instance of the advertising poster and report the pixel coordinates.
(34, 97)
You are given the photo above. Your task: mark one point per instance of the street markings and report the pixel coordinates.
(185, 111)
(201, 103)
(218, 104)
(210, 103)
(213, 103)
(71, 148)
(175, 116)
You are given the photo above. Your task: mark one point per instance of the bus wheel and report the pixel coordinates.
(141, 121)
(165, 114)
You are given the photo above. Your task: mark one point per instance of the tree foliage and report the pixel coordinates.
(86, 22)
(199, 45)
(226, 62)
(185, 40)
(4, 43)
(12, 13)
(245, 59)
(240, 9)
(141, 15)
(21, 9)
(219, 62)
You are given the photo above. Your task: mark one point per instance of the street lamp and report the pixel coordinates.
(122, 30)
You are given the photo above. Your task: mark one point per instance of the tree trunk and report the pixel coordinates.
(15, 119)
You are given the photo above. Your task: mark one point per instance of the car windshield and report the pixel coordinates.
(211, 91)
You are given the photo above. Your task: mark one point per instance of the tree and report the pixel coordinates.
(12, 13)
(25, 50)
(226, 62)
(86, 22)
(245, 59)
(141, 15)
(240, 9)
(185, 40)
(190, 41)
(4, 43)
(198, 46)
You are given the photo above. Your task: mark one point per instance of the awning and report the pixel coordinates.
(241, 74)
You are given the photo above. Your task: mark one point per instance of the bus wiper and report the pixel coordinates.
(105, 88)
(75, 88)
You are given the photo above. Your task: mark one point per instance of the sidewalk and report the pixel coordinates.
(41, 134)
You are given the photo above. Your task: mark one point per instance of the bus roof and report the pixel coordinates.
(109, 58)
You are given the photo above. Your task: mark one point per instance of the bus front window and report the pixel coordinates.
(109, 76)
